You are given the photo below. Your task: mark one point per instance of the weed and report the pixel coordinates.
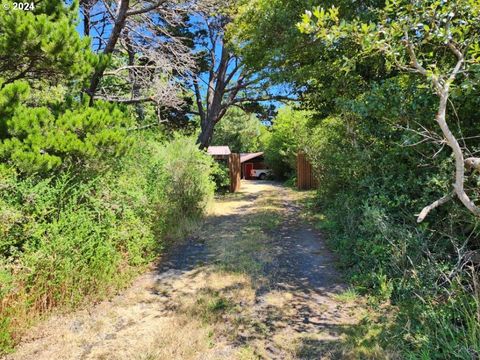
(210, 306)
(248, 353)
(348, 295)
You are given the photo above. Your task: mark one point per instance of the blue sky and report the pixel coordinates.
(276, 90)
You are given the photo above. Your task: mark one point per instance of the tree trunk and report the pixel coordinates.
(120, 18)
(135, 94)
(458, 154)
(206, 134)
(86, 20)
(460, 161)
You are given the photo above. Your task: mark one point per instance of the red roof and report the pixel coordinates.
(248, 156)
(219, 150)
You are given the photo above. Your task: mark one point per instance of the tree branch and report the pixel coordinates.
(128, 101)
(423, 214)
(472, 163)
(265, 98)
(198, 98)
(459, 64)
(147, 8)
(413, 57)
(241, 85)
(443, 88)
(118, 26)
(418, 67)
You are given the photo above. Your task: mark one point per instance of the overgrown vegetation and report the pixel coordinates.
(380, 156)
(86, 200)
(67, 240)
(284, 142)
(98, 172)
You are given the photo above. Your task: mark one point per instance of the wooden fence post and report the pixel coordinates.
(234, 167)
(305, 178)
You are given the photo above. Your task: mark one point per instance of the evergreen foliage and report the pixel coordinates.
(42, 44)
(37, 140)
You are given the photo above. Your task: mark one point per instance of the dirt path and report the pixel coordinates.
(254, 282)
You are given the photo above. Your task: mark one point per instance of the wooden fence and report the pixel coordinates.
(235, 169)
(305, 178)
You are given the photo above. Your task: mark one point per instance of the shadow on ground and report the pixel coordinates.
(254, 282)
(259, 234)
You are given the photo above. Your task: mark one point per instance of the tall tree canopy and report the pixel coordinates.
(273, 45)
(142, 55)
(241, 131)
(221, 78)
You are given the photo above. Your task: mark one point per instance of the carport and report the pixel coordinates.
(251, 161)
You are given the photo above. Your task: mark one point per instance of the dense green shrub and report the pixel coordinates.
(372, 183)
(185, 179)
(65, 239)
(221, 175)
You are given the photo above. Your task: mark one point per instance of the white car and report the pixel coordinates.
(260, 173)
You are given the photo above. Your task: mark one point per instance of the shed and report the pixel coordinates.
(219, 152)
(251, 161)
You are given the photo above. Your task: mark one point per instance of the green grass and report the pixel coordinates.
(348, 295)
(211, 305)
(248, 353)
(267, 219)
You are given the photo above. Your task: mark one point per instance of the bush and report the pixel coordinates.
(66, 240)
(372, 183)
(185, 180)
(221, 176)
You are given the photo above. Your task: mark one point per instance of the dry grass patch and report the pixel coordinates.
(222, 300)
(243, 244)
(180, 322)
(177, 337)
